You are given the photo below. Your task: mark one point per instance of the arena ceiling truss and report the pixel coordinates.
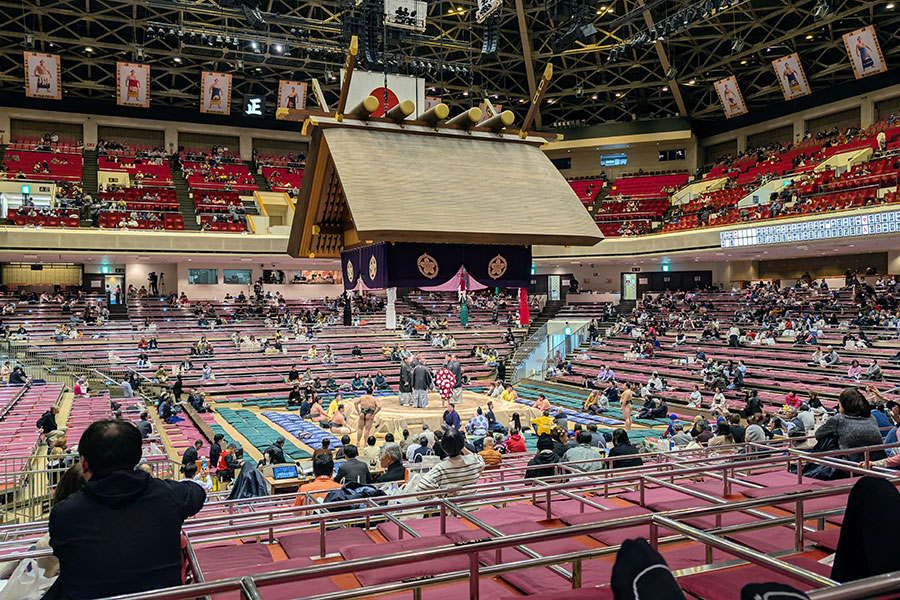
(658, 79)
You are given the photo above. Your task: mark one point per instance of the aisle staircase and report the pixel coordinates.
(550, 310)
(185, 204)
(260, 181)
(89, 181)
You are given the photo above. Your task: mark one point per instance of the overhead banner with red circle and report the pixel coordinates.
(388, 89)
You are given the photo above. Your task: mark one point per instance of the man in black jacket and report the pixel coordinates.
(392, 463)
(353, 469)
(191, 455)
(277, 450)
(121, 533)
(47, 422)
(421, 383)
(543, 464)
(406, 371)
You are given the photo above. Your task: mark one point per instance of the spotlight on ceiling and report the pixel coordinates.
(821, 10)
(277, 48)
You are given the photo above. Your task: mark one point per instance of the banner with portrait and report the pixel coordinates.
(42, 76)
(215, 93)
(132, 84)
(292, 94)
(730, 96)
(864, 52)
(790, 75)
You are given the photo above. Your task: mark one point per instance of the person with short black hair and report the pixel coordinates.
(544, 462)
(323, 468)
(460, 469)
(144, 425)
(371, 450)
(324, 449)
(191, 454)
(122, 513)
(353, 469)
(588, 457)
(277, 450)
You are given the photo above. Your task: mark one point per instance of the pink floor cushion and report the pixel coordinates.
(605, 515)
(548, 548)
(814, 504)
(563, 508)
(594, 593)
(612, 537)
(487, 589)
(278, 591)
(826, 539)
(726, 584)
(511, 513)
(693, 555)
(219, 558)
(542, 580)
(306, 544)
(677, 504)
(426, 526)
(770, 539)
(780, 489)
(773, 478)
(405, 571)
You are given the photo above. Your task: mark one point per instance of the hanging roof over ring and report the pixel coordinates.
(379, 181)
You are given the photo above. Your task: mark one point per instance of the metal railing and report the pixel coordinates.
(565, 347)
(239, 521)
(515, 364)
(249, 586)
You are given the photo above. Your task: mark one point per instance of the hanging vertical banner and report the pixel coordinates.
(399, 87)
(791, 76)
(405, 14)
(292, 94)
(215, 93)
(132, 85)
(864, 52)
(730, 97)
(42, 78)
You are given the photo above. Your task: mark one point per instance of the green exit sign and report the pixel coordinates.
(26, 189)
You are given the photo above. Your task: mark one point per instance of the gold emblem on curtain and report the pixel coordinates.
(497, 267)
(427, 266)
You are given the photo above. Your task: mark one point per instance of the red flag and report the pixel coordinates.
(523, 307)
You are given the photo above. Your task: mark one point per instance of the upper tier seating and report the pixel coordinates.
(280, 179)
(44, 144)
(44, 218)
(646, 186)
(220, 177)
(51, 166)
(139, 170)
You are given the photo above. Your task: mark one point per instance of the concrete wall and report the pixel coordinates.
(206, 292)
(169, 129)
(603, 277)
(641, 155)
